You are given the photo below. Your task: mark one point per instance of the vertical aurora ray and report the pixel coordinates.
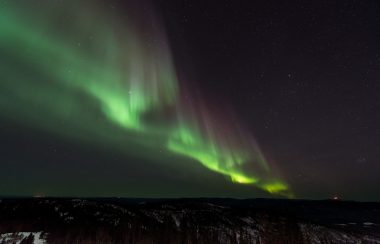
(66, 54)
(127, 79)
(223, 148)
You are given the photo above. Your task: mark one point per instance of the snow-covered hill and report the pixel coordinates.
(115, 220)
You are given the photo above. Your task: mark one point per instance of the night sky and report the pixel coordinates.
(175, 98)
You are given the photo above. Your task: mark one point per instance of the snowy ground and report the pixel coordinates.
(18, 237)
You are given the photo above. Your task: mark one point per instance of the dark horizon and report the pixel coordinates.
(158, 199)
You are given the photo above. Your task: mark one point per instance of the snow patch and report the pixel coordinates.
(176, 220)
(18, 237)
(368, 223)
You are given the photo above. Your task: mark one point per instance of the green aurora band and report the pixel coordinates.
(74, 55)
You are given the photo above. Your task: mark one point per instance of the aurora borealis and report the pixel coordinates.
(179, 98)
(104, 57)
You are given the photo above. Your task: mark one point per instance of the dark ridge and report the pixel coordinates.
(188, 220)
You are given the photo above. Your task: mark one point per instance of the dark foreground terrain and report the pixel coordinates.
(117, 220)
